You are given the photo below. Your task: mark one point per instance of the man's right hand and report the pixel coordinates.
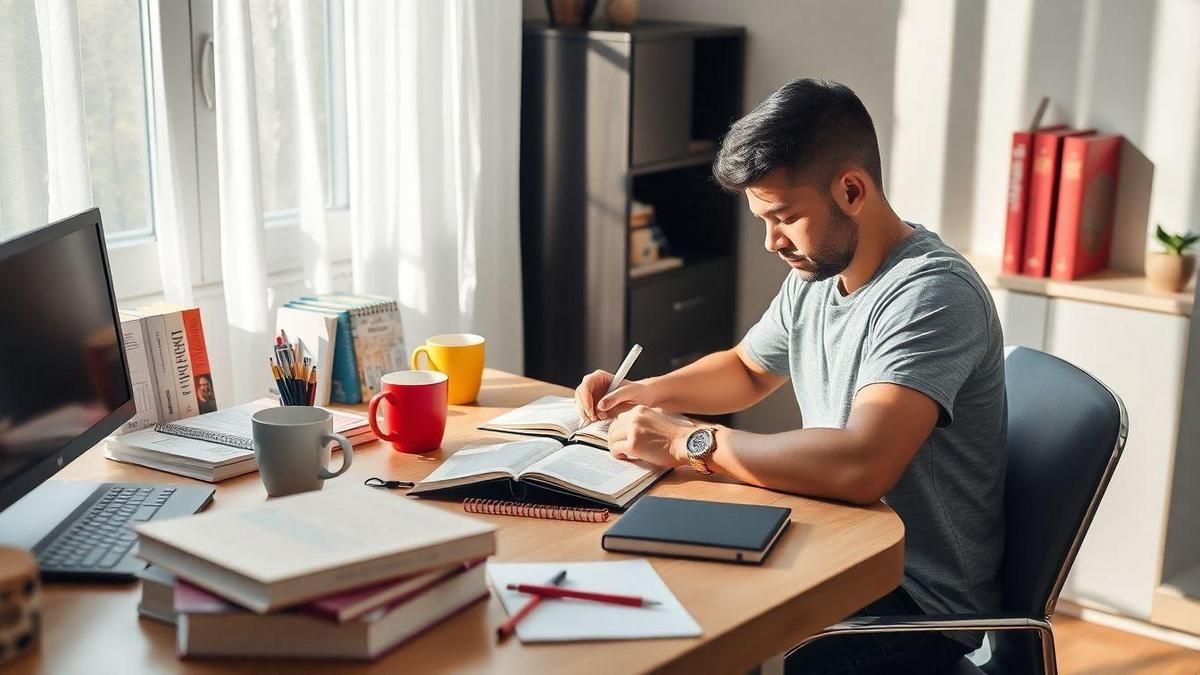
(594, 405)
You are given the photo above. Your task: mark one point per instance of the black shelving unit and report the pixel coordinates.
(610, 115)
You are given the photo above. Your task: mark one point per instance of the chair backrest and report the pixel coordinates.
(1066, 431)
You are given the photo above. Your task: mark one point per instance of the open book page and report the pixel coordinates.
(595, 433)
(548, 414)
(592, 471)
(487, 461)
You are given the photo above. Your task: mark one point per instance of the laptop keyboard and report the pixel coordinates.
(102, 535)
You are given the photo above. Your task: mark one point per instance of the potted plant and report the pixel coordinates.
(1169, 270)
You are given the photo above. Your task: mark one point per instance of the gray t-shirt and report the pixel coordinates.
(925, 321)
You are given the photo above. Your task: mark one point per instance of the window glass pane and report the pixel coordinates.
(275, 95)
(115, 116)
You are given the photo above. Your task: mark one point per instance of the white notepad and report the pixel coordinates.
(571, 620)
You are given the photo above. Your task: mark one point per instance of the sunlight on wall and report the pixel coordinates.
(924, 41)
(1002, 108)
(1173, 116)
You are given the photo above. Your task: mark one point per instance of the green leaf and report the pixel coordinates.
(1162, 236)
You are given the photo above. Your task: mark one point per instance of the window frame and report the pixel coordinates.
(281, 229)
(184, 28)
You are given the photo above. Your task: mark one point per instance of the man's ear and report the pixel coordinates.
(850, 192)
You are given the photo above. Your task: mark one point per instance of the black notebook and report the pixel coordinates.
(687, 528)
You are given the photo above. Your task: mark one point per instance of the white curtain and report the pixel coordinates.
(69, 183)
(243, 249)
(433, 91)
(433, 95)
(44, 172)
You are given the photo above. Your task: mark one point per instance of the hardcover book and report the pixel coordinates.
(543, 468)
(210, 626)
(1020, 165)
(1043, 199)
(1087, 192)
(690, 528)
(141, 376)
(291, 550)
(553, 417)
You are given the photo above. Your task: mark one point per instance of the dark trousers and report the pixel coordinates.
(878, 652)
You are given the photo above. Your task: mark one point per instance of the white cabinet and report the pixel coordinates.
(1023, 317)
(1140, 355)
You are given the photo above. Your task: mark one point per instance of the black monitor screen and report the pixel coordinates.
(62, 370)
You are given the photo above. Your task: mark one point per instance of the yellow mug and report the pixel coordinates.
(460, 357)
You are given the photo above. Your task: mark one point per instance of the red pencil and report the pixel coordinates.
(560, 593)
(509, 627)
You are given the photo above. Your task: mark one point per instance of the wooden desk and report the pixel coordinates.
(834, 559)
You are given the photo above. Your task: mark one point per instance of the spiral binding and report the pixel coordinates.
(232, 440)
(500, 507)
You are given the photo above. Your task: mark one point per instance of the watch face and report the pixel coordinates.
(699, 442)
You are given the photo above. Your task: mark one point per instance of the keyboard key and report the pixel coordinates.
(145, 513)
(111, 559)
(93, 557)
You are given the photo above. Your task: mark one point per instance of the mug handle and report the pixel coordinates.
(371, 412)
(416, 358)
(347, 455)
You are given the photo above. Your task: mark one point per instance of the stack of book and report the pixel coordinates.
(363, 333)
(344, 573)
(1061, 202)
(213, 446)
(168, 364)
(648, 249)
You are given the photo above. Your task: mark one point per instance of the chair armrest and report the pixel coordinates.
(935, 622)
(944, 623)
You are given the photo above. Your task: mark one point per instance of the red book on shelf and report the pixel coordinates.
(1087, 189)
(1018, 199)
(1043, 197)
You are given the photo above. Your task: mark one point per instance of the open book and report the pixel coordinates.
(554, 417)
(577, 471)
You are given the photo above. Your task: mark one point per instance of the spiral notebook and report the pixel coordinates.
(233, 426)
(505, 507)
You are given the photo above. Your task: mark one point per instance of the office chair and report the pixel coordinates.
(1066, 431)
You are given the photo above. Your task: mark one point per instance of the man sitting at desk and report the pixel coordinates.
(895, 354)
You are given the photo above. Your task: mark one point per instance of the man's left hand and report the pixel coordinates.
(650, 435)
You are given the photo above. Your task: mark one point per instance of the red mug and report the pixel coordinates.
(414, 418)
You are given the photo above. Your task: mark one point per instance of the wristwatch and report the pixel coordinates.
(700, 445)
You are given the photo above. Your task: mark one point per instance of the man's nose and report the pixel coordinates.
(775, 241)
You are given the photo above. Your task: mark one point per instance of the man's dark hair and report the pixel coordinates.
(813, 127)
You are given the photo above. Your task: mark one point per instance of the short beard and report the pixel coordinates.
(835, 256)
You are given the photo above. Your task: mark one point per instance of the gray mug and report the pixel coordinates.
(291, 445)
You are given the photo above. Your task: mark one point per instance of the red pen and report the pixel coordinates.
(560, 593)
(510, 626)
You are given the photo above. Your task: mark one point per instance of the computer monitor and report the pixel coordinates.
(64, 385)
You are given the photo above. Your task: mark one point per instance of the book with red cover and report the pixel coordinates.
(347, 605)
(208, 625)
(1087, 190)
(1043, 197)
(1021, 161)
(201, 369)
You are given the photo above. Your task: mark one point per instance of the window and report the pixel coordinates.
(117, 104)
(276, 96)
(123, 43)
(116, 119)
